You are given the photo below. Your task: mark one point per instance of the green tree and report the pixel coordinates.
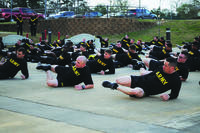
(101, 8)
(19, 3)
(35, 4)
(187, 11)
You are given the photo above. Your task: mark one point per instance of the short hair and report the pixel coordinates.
(156, 37)
(83, 59)
(172, 61)
(196, 38)
(132, 47)
(169, 45)
(196, 44)
(21, 49)
(108, 51)
(185, 53)
(83, 45)
(118, 41)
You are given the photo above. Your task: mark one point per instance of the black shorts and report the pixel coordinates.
(134, 81)
(60, 71)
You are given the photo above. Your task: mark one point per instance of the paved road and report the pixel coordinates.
(29, 106)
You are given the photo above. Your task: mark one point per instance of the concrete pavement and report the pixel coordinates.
(29, 106)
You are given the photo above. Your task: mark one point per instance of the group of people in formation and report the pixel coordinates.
(74, 64)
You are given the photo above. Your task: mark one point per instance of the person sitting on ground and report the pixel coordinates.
(188, 45)
(13, 65)
(153, 83)
(153, 42)
(138, 46)
(194, 57)
(60, 57)
(161, 42)
(104, 44)
(102, 63)
(159, 52)
(90, 47)
(182, 65)
(125, 42)
(117, 49)
(125, 59)
(70, 76)
(81, 51)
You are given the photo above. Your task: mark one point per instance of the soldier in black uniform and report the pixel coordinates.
(19, 24)
(125, 59)
(159, 52)
(161, 42)
(33, 24)
(90, 47)
(102, 63)
(70, 76)
(1, 44)
(194, 57)
(117, 49)
(15, 63)
(182, 65)
(61, 57)
(138, 46)
(80, 52)
(125, 42)
(104, 44)
(159, 81)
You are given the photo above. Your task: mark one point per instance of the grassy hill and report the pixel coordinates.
(181, 31)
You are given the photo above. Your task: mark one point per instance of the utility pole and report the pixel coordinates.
(45, 8)
(139, 4)
(159, 17)
(11, 11)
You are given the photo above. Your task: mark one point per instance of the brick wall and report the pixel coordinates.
(95, 26)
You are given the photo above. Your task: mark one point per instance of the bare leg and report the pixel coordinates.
(50, 81)
(144, 72)
(129, 91)
(126, 81)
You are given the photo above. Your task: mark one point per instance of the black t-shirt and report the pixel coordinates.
(182, 68)
(104, 44)
(90, 48)
(125, 43)
(153, 42)
(101, 64)
(19, 21)
(70, 76)
(127, 58)
(11, 67)
(138, 47)
(33, 21)
(64, 59)
(158, 82)
(159, 53)
(117, 50)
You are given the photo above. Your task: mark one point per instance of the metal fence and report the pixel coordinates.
(106, 11)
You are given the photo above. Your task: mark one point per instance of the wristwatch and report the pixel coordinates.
(83, 87)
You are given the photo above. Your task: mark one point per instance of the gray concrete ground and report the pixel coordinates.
(29, 106)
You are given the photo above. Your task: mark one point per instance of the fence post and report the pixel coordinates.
(58, 35)
(49, 36)
(43, 38)
(168, 34)
(45, 34)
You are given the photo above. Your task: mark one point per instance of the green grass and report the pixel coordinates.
(181, 31)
